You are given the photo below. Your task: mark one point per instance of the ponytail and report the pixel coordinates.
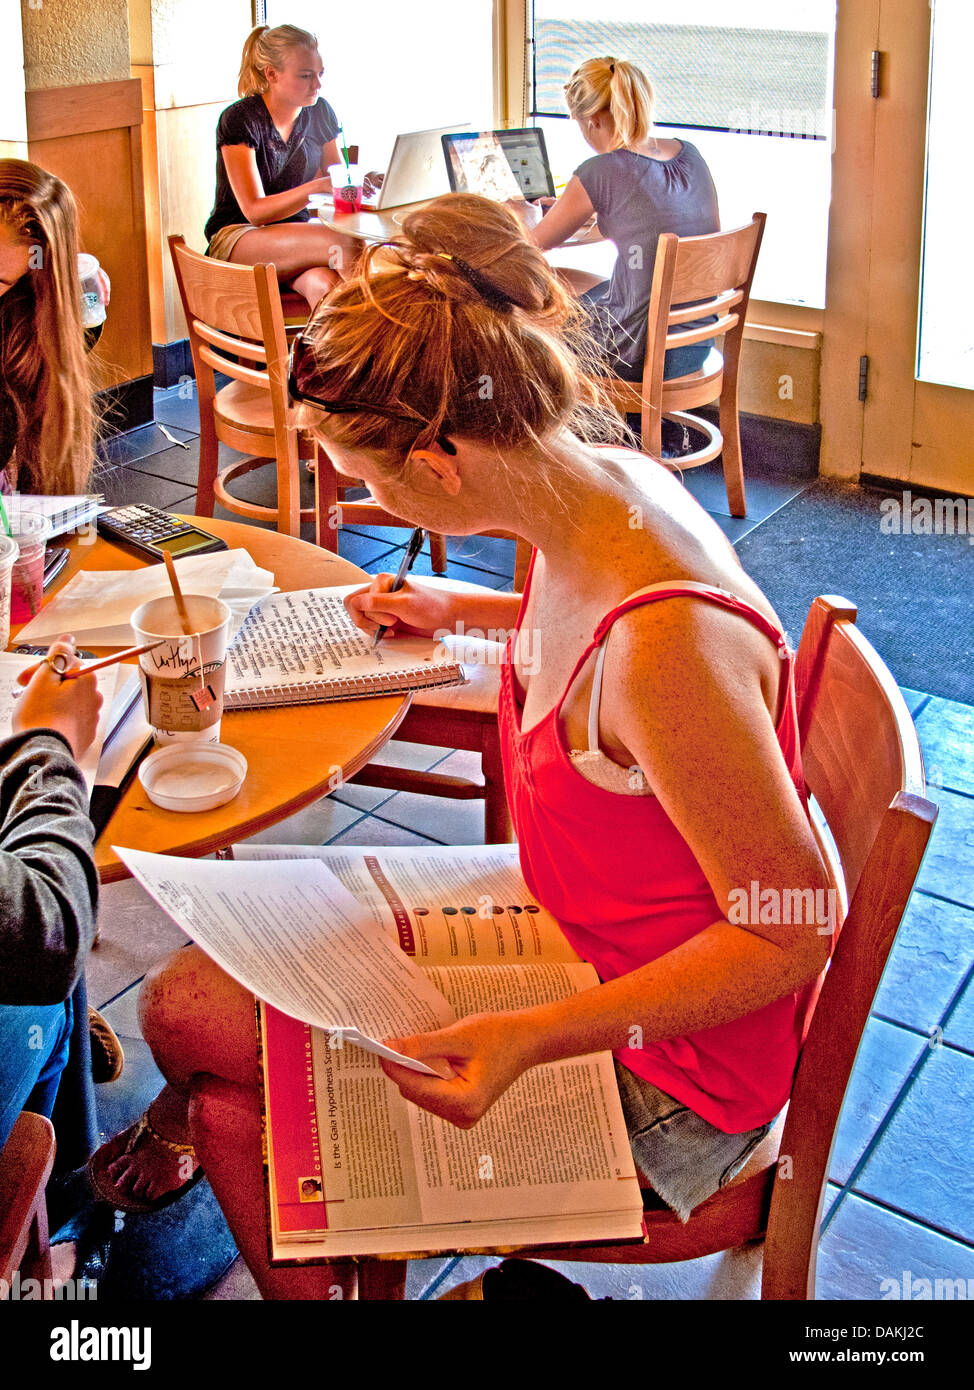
(618, 87)
(268, 48)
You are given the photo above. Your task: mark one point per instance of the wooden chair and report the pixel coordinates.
(235, 317)
(705, 275)
(236, 326)
(870, 793)
(25, 1166)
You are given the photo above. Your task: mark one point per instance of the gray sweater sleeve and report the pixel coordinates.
(48, 879)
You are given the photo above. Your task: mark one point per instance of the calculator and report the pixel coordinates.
(152, 533)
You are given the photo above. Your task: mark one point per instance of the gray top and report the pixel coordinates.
(48, 880)
(636, 199)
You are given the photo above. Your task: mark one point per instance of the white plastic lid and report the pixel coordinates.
(193, 776)
(87, 265)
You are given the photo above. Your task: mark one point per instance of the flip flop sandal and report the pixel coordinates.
(107, 1057)
(115, 1148)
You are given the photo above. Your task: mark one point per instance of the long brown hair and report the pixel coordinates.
(461, 322)
(43, 366)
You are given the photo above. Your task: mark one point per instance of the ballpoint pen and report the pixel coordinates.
(412, 550)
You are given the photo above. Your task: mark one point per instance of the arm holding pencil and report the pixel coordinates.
(71, 708)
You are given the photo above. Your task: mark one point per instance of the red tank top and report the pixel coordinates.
(625, 889)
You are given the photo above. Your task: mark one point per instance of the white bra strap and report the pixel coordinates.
(593, 709)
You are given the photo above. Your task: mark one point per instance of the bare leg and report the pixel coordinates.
(300, 249)
(201, 1027)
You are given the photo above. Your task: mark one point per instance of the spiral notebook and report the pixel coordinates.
(301, 648)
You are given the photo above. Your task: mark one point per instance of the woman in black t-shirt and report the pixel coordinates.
(273, 147)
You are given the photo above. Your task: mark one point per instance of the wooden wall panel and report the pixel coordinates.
(100, 157)
(186, 143)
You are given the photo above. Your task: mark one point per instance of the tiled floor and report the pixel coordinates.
(900, 1198)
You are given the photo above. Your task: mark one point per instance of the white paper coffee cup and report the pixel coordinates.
(182, 680)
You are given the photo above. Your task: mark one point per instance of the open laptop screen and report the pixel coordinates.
(499, 164)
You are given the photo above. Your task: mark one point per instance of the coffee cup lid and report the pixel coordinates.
(193, 776)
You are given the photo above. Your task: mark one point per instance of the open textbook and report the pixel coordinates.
(302, 647)
(347, 946)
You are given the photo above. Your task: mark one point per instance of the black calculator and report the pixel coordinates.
(152, 533)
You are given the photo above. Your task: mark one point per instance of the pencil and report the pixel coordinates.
(95, 665)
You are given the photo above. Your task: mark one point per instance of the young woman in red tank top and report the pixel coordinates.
(457, 398)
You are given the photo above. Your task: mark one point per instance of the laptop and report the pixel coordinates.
(499, 164)
(415, 172)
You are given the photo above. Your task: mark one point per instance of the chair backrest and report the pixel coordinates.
(233, 312)
(25, 1165)
(863, 766)
(712, 274)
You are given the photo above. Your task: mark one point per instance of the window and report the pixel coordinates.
(392, 67)
(750, 84)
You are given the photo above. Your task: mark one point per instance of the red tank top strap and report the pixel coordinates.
(683, 588)
(690, 588)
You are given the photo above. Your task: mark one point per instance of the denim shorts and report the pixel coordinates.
(684, 1157)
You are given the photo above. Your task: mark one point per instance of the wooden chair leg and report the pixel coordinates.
(522, 563)
(289, 489)
(731, 431)
(382, 1280)
(326, 503)
(438, 553)
(208, 467)
(497, 817)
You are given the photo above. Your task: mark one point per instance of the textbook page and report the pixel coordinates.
(306, 636)
(466, 903)
(297, 939)
(550, 1160)
(108, 678)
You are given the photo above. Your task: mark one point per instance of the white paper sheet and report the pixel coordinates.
(299, 940)
(96, 604)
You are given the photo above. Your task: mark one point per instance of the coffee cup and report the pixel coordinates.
(31, 530)
(183, 678)
(9, 550)
(346, 187)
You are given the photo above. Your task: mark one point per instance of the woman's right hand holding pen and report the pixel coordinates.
(412, 611)
(70, 707)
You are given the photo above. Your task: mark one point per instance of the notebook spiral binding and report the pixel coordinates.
(352, 688)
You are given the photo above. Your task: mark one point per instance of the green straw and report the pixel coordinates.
(3, 517)
(344, 146)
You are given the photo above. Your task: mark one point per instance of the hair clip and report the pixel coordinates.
(489, 292)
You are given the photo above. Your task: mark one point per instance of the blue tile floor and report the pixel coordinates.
(899, 1204)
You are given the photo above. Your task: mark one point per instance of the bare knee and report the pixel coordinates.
(196, 1019)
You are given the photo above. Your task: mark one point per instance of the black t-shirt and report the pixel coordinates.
(281, 166)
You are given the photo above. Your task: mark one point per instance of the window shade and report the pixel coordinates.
(762, 81)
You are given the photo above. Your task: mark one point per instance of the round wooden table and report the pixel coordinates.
(294, 755)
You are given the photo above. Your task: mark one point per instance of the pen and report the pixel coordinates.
(95, 666)
(412, 550)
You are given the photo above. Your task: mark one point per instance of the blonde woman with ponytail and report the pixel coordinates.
(650, 755)
(638, 186)
(46, 418)
(274, 146)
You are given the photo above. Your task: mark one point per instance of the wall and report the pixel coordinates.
(186, 55)
(13, 112)
(72, 43)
